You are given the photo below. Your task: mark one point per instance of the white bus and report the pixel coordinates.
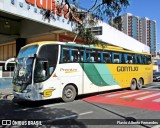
(48, 70)
(8, 73)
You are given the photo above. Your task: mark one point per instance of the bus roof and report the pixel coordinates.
(107, 47)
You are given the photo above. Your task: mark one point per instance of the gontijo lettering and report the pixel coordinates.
(126, 68)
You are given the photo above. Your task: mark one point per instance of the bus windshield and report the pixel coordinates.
(23, 65)
(23, 71)
(25, 52)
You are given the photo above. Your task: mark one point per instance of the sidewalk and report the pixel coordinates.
(6, 94)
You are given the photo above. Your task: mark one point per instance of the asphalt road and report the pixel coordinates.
(82, 113)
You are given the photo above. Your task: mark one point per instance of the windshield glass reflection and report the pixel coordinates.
(25, 52)
(23, 71)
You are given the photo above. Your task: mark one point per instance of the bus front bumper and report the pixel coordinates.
(29, 96)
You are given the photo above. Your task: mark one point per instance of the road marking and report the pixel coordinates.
(121, 93)
(152, 103)
(149, 96)
(85, 113)
(111, 92)
(132, 95)
(52, 105)
(153, 89)
(65, 117)
(71, 116)
(157, 100)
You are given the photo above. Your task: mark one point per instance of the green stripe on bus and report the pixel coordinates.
(98, 74)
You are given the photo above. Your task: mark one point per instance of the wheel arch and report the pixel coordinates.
(142, 79)
(134, 79)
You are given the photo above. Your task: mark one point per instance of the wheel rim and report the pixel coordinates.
(140, 83)
(133, 84)
(69, 93)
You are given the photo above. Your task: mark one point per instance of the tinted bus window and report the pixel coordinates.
(49, 52)
(128, 58)
(143, 59)
(75, 55)
(116, 57)
(148, 59)
(83, 55)
(90, 55)
(65, 55)
(139, 59)
(99, 57)
(134, 59)
(107, 57)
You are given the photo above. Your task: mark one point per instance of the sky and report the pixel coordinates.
(140, 8)
(146, 8)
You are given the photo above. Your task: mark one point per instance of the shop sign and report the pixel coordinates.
(50, 5)
(43, 5)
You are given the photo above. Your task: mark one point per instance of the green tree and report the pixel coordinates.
(88, 16)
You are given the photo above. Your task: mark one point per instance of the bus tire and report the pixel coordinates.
(140, 83)
(69, 93)
(133, 84)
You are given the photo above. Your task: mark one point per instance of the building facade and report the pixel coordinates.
(131, 25)
(149, 34)
(141, 29)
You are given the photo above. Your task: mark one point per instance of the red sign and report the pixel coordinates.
(51, 5)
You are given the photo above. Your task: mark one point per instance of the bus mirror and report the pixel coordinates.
(9, 60)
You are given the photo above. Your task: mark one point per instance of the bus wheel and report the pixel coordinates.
(69, 93)
(140, 83)
(133, 84)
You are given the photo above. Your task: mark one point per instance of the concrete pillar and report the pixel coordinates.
(20, 42)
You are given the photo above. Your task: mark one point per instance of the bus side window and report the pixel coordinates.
(134, 59)
(99, 56)
(90, 55)
(148, 59)
(65, 55)
(128, 58)
(139, 59)
(82, 55)
(123, 59)
(144, 59)
(116, 57)
(75, 55)
(107, 57)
